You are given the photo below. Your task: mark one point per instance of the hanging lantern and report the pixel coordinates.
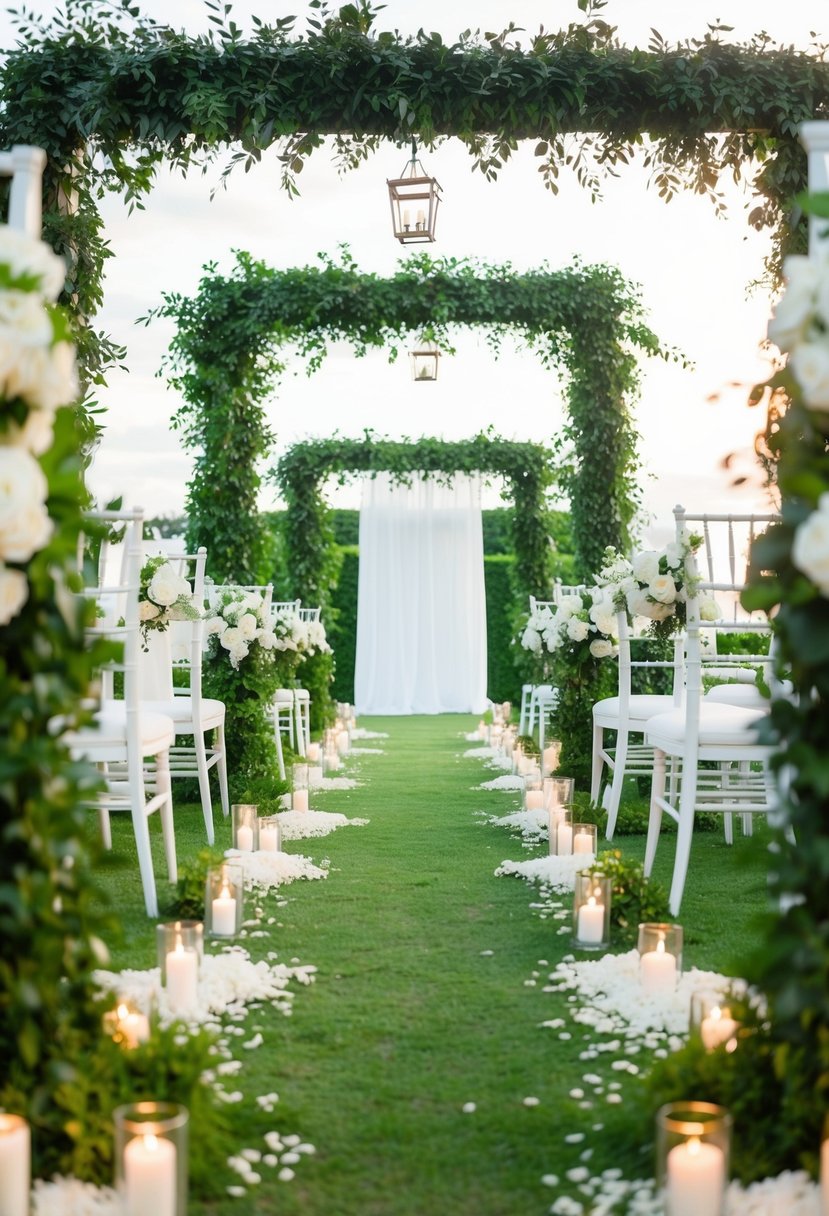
(425, 363)
(414, 199)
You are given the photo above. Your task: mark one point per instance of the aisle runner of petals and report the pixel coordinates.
(616, 1020)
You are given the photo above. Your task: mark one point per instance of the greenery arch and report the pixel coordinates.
(230, 345)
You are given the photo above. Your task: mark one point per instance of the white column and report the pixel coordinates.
(815, 139)
(25, 166)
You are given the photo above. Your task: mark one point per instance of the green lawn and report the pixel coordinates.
(408, 1018)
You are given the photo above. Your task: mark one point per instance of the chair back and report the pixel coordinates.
(187, 637)
(718, 571)
(628, 664)
(309, 614)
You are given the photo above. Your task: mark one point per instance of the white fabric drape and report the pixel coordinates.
(421, 614)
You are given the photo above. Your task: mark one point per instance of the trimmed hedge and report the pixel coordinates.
(342, 629)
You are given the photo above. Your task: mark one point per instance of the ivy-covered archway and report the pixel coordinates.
(230, 347)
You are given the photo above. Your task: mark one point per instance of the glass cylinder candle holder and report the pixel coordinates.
(331, 761)
(180, 945)
(711, 1019)
(127, 1024)
(299, 776)
(584, 838)
(660, 956)
(506, 710)
(560, 829)
(591, 910)
(15, 1165)
(693, 1141)
(313, 753)
(558, 792)
(270, 834)
(224, 900)
(151, 1158)
(343, 742)
(245, 826)
(533, 793)
(550, 757)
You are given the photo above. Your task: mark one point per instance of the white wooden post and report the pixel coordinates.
(24, 165)
(815, 139)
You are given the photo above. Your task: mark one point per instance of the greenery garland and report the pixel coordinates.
(229, 346)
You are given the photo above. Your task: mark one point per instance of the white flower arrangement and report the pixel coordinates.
(810, 551)
(653, 584)
(585, 623)
(800, 327)
(37, 376)
(164, 596)
(238, 624)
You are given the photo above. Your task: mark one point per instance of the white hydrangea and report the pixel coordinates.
(810, 551)
(25, 526)
(27, 257)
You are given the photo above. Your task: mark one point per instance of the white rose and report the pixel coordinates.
(25, 255)
(57, 381)
(25, 526)
(810, 364)
(795, 308)
(14, 591)
(215, 624)
(577, 630)
(238, 652)
(810, 551)
(638, 602)
(148, 611)
(266, 639)
(36, 433)
(232, 638)
(531, 640)
(661, 612)
(166, 586)
(645, 565)
(662, 588)
(24, 319)
(601, 649)
(673, 555)
(247, 626)
(709, 609)
(569, 605)
(606, 624)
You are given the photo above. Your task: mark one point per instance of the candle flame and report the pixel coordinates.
(179, 946)
(591, 902)
(225, 892)
(123, 1011)
(660, 946)
(151, 1143)
(693, 1146)
(716, 1014)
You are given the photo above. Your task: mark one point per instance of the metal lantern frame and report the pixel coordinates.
(425, 362)
(414, 198)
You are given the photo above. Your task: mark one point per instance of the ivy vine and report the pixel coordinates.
(230, 346)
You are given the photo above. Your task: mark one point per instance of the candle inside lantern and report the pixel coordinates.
(695, 1178)
(657, 969)
(421, 219)
(224, 913)
(150, 1176)
(244, 838)
(269, 839)
(564, 839)
(133, 1027)
(590, 927)
(583, 842)
(407, 218)
(717, 1027)
(15, 1165)
(300, 800)
(182, 968)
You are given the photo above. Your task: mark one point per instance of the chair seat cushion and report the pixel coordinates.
(180, 709)
(748, 696)
(641, 706)
(108, 734)
(719, 725)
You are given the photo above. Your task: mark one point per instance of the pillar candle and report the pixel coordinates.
(15, 1165)
(718, 1027)
(695, 1178)
(535, 800)
(269, 839)
(150, 1176)
(657, 970)
(824, 1176)
(342, 742)
(582, 842)
(590, 924)
(564, 840)
(551, 755)
(407, 218)
(421, 218)
(182, 980)
(224, 914)
(332, 761)
(133, 1026)
(244, 838)
(300, 800)
(313, 753)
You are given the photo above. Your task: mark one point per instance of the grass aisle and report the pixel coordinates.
(422, 1001)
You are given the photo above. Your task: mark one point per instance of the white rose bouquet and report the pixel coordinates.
(238, 625)
(164, 596)
(800, 327)
(582, 626)
(37, 376)
(653, 584)
(309, 637)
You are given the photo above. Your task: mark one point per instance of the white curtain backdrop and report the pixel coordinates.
(421, 611)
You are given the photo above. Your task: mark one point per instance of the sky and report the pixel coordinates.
(694, 270)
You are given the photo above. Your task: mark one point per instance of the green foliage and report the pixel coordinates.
(635, 899)
(343, 631)
(579, 686)
(188, 901)
(502, 680)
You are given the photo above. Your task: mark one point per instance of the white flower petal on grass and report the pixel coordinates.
(530, 1101)
(286, 1174)
(469, 1108)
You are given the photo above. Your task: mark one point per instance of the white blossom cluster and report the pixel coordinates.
(587, 618)
(164, 596)
(238, 622)
(37, 376)
(305, 637)
(791, 1194)
(557, 873)
(300, 825)
(263, 870)
(652, 584)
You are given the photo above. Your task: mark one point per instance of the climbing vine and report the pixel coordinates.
(230, 346)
